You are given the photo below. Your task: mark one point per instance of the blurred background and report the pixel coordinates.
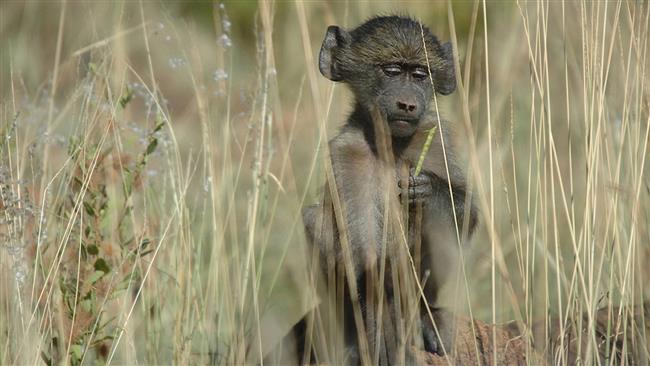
(155, 156)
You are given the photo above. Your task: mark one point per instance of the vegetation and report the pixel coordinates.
(154, 157)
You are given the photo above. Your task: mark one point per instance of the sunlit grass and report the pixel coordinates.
(154, 161)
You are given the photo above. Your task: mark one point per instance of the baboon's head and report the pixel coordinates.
(386, 61)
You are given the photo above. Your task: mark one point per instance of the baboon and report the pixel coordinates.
(393, 66)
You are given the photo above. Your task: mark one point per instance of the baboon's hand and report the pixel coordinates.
(445, 325)
(420, 188)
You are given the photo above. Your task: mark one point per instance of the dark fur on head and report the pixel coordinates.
(386, 39)
(360, 57)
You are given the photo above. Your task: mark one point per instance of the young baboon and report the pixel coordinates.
(393, 66)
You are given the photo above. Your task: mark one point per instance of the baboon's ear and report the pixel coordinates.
(446, 76)
(335, 40)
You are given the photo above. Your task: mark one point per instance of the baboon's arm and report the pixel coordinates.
(358, 177)
(359, 180)
(439, 168)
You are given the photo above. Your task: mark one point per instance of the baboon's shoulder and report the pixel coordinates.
(350, 142)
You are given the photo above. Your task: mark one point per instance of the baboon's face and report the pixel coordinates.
(391, 63)
(402, 93)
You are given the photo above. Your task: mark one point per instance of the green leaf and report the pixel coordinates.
(142, 254)
(92, 249)
(152, 146)
(159, 124)
(87, 304)
(96, 276)
(98, 341)
(144, 243)
(89, 209)
(101, 265)
(76, 351)
(126, 98)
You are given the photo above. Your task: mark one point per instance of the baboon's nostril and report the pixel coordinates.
(407, 107)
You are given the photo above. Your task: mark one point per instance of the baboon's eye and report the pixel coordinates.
(420, 74)
(392, 70)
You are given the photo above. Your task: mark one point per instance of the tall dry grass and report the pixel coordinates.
(155, 157)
